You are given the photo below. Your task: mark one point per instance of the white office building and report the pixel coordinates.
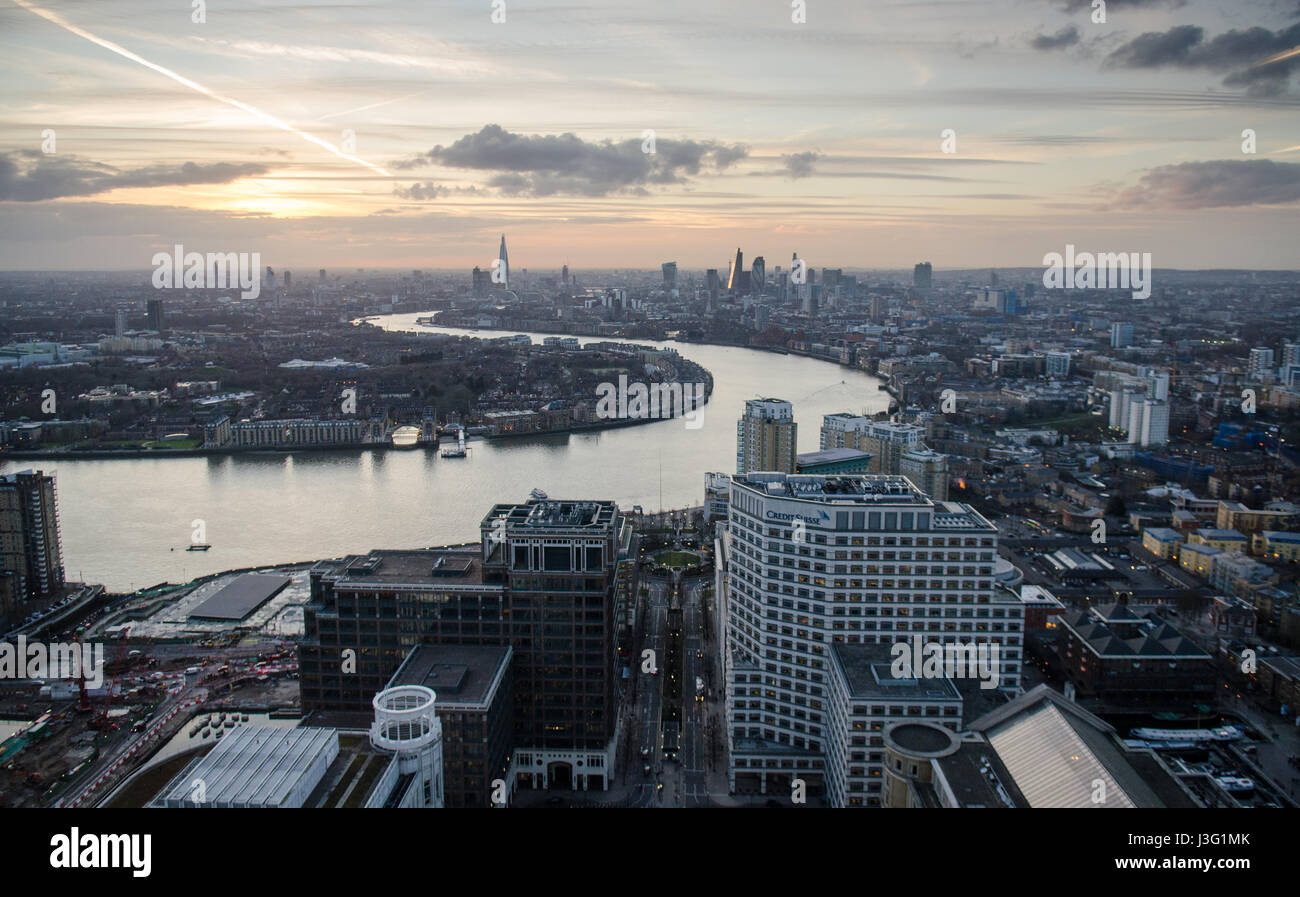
(815, 562)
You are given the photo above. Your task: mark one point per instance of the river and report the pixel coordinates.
(125, 522)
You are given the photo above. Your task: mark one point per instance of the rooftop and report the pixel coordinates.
(243, 596)
(458, 674)
(254, 766)
(866, 671)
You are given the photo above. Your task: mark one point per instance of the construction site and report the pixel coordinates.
(169, 688)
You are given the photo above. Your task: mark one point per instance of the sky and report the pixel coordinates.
(863, 134)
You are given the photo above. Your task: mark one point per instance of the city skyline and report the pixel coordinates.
(357, 136)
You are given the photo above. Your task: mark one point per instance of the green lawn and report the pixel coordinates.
(677, 558)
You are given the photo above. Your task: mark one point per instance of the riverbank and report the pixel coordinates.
(121, 517)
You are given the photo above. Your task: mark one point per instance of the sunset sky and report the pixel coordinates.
(412, 134)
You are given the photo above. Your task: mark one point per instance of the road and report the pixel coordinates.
(645, 722)
(692, 782)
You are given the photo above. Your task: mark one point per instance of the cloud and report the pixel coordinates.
(1256, 58)
(1214, 184)
(800, 165)
(545, 165)
(427, 191)
(1066, 37)
(30, 176)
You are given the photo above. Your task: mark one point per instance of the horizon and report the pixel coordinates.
(396, 137)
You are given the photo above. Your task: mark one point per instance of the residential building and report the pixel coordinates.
(766, 437)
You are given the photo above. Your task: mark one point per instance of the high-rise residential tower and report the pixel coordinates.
(31, 554)
(766, 437)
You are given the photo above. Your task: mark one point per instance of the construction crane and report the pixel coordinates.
(101, 721)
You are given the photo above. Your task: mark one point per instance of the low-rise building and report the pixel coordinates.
(1162, 541)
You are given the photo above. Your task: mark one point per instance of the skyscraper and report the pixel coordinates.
(766, 437)
(1121, 335)
(794, 642)
(922, 276)
(736, 276)
(714, 285)
(157, 321)
(758, 275)
(542, 580)
(503, 262)
(31, 554)
(670, 275)
(119, 323)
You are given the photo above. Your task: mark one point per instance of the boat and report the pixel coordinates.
(538, 495)
(231, 723)
(243, 717)
(207, 732)
(201, 546)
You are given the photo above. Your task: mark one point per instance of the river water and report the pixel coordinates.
(125, 522)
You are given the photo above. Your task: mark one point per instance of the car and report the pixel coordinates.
(645, 768)
(645, 753)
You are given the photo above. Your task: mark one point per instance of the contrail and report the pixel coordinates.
(1278, 57)
(194, 85)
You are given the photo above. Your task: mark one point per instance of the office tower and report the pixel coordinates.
(482, 283)
(31, 554)
(542, 580)
(1057, 364)
(928, 471)
(758, 275)
(1121, 335)
(877, 309)
(670, 275)
(1290, 354)
(322, 275)
(157, 322)
(993, 278)
(269, 280)
(119, 323)
(564, 275)
(796, 641)
(762, 317)
(503, 262)
(1260, 365)
(922, 276)
(809, 294)
(766, 437)
(736, 275)
(288, 281)
(714, 285)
